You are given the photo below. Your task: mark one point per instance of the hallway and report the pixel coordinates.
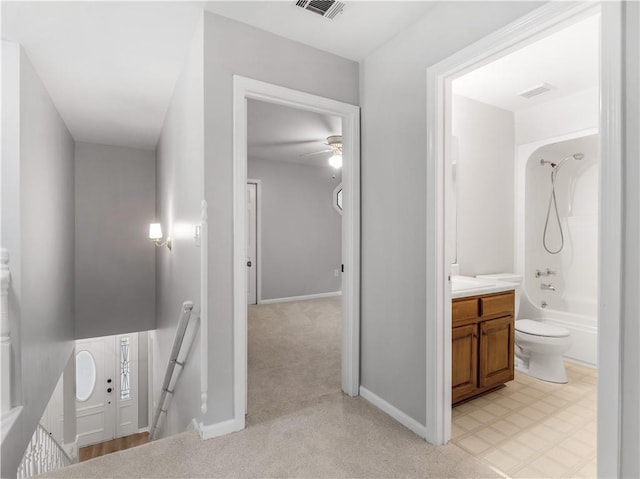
(299, 424)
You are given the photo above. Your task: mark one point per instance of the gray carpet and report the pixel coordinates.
(299, 424)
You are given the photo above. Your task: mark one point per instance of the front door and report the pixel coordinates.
(106, 392)
(95, 395)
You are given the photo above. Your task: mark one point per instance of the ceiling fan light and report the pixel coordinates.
(336, 161)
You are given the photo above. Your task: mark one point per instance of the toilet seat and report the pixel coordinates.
(538, 328)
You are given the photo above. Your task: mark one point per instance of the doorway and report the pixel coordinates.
(106, 388)
(440, 252)
(244, 89)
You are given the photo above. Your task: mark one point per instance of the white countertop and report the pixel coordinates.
(464, 286)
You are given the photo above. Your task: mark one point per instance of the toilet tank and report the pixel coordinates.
(513, 278)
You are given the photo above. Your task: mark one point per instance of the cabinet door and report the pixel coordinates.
(496, 351)
(464, 362)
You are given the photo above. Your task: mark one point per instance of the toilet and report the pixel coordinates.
(539, 346)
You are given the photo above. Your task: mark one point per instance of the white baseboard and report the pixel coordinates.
(220, 429)
(394, 412)
(301, 298)
(144, 429)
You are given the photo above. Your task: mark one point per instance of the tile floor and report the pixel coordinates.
(532, 428)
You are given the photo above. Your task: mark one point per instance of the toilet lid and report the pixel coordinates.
(538, 328)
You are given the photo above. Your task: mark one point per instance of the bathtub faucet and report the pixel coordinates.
(548, 287)
(547, 272)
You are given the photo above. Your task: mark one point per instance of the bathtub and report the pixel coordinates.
(581, 321)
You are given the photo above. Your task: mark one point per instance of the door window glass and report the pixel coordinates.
(85, 375)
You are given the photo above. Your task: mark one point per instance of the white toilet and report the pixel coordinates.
(539, 346)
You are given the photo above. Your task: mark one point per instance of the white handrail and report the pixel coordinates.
(5, 331)
(169, 384)
(43, 454)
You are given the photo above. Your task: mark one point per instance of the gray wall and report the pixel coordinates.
(179, 195)
(301, 230)
(41, 222)
(484, 184)
(114, 259)
(263, 56)
(393, 99)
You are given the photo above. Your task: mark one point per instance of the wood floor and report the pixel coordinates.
(119, 444)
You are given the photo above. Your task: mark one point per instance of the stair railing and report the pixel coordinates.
(171, 375)
(43, 454)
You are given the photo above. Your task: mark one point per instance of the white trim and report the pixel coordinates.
(301, 298)
(394, 412)
(258, 184)
(143, 429)
(610, 237)
(244, 88)
(220, 428)
(550, 17)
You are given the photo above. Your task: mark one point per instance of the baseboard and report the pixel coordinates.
(301, 298)
(394, 412)
(220, 429)
(144, 429)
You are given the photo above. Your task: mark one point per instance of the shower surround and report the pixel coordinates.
(560, 288)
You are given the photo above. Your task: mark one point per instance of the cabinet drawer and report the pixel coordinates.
(462, 309)
(502, 303)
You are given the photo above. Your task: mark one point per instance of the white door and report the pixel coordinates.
(106, 388)
(252, 277)
(95, 395)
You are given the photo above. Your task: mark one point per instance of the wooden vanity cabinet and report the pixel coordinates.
(482, 351)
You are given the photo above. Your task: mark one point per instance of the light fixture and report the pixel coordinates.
(155, 234)
(336, 161)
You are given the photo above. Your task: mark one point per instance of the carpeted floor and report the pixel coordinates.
(299, 423)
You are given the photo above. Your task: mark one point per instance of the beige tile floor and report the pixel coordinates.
(532, 428)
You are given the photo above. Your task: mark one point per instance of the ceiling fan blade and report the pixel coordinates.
(315, 153)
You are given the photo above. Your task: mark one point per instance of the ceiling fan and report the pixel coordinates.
(334, 143)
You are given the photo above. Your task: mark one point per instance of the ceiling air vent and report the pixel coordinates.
(537, 90)
(326, 8)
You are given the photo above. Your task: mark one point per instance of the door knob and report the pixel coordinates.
(109, 381)
(108, 390)
(249, 264)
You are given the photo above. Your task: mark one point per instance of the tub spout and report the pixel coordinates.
(547, 287)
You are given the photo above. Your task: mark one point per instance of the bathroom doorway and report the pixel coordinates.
(480, 242)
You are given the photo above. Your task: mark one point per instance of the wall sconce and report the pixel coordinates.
(155, 234)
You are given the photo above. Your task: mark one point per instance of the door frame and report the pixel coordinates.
(246, 88)
(258, 184)
(439, 251)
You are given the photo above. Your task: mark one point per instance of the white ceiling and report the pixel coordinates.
(567, 59)
(110, 67)
(362, 26)
(280, 133)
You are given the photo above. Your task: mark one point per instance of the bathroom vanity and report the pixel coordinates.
(482, 352)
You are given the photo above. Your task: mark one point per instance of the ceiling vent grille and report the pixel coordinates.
(537, 90)
(325, 8)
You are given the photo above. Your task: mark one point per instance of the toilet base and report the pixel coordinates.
(542, 366)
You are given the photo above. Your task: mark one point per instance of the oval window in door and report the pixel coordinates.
(85, 375)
